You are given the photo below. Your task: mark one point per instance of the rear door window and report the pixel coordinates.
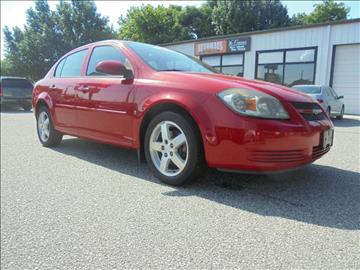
(59, 68)
(16, 83)
(73, 64)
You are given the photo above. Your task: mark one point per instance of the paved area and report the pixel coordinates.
(85, 205)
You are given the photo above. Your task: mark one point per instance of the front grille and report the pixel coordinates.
(309, 111)
(318, 151)
(278, 156)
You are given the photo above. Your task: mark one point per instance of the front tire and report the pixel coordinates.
(341, 116)
(48, 136)
(173, 149)
(328, 112)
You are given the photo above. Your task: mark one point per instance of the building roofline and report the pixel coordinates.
(288, 28)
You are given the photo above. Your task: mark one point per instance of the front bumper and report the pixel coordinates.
(236, 142)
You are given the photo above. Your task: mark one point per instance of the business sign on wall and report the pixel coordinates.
(238, 44)
(210, 47)
(231, 45)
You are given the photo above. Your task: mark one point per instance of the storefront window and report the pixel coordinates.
(214, 61)
(233, 70)
(231, 64)
(300, 56)
(288, 67)
(271, 73)
(298, 74)
(232, 59)
(271, 57)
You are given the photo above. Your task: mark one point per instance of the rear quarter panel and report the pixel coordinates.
(41, 94)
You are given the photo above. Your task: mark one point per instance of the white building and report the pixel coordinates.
(322, 54)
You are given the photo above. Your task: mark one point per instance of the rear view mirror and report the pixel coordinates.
(113, 67)
(340, 97)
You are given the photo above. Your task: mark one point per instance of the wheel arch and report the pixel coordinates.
(40, 104)
(43, 100)
(162, 107)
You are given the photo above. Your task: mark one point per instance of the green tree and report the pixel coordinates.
(327, 11)
(197, 21)
(230, 16)
(12, 53)
(152, 24)
(79, 23)
(5, 68)
(49, 34)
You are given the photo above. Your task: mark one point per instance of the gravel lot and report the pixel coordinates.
(86, 205)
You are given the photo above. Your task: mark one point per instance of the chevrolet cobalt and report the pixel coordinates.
(180, 114)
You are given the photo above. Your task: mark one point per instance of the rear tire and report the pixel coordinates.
(175, 157)
(341, 116)
(48, 136)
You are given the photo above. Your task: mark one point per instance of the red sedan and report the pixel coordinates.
(177, 112)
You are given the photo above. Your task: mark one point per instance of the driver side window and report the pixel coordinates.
(102, 53)
(333, 92)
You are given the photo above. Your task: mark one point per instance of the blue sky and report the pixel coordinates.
(13, 12)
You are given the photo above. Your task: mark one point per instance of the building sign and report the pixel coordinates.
(238, 44)
(210, 47)
(222, 46)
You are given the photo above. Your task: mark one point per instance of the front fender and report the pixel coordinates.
(192, 102)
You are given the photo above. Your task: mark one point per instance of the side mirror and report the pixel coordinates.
(340, 97)
(113, 67)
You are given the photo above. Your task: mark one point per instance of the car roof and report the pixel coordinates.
(309, 85)
(102, 42)
(106, 42)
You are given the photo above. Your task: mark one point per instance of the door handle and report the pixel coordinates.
(84, 88)
(52, 87)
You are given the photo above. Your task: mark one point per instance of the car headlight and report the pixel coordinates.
(253, 103)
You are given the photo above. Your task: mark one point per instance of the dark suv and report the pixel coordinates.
(17, 91)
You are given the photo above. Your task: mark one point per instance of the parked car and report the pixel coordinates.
(327, 97)
(178, 113)
(17, 91)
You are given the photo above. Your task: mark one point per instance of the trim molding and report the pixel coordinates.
(89, 109)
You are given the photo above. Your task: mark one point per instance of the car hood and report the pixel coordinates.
(314, 95)
(214, 83)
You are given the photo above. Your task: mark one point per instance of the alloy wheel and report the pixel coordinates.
(44, 126)
(168, 148)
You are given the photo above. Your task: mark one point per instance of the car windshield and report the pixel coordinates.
(162, 59)
(16, 83)
(308, 89)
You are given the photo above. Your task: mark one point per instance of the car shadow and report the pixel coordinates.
(7, 108)
(316, 194)
(346, 122)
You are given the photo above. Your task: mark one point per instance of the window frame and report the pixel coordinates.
(315, 48)
(221, 61)
(65, 58)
